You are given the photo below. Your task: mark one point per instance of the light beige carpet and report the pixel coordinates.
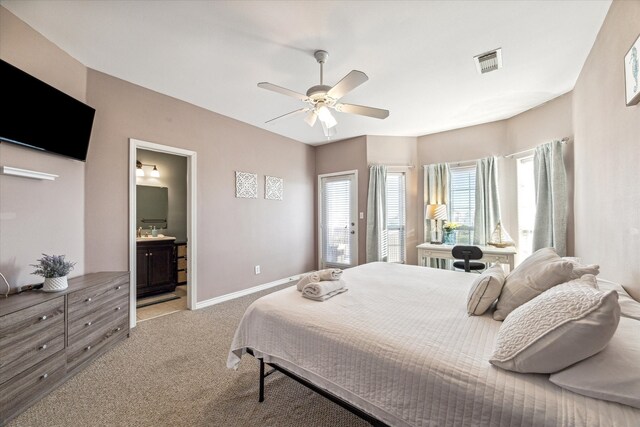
(172, 372)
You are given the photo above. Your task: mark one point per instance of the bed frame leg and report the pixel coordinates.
(261, 397)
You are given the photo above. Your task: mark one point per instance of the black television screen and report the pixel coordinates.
(39, 116)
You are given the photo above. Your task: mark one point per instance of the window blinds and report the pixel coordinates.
(336, 214)
(396, 217)
(462, 200)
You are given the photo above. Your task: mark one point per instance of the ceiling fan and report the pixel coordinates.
(321, 98)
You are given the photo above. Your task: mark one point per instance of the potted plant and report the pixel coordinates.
(450, 232)
(54, 269)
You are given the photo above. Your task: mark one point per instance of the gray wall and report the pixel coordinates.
(40, 216)
(234, 234)
(173, 175)
(607, 154)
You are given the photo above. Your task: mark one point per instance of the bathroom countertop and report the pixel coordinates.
(148, 239)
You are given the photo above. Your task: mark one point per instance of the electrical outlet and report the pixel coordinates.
(257, 269)
(361, 215)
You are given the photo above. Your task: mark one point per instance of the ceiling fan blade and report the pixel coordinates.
(349, 82)
(282, 90)
(311, 118)
(302, 110)
(328, 132)
(377, 113)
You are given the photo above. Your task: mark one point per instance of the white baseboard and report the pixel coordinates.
(244, 292)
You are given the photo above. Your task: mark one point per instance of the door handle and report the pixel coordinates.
(353, 232)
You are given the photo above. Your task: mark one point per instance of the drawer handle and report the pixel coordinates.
(43, 347)
(44, 376)
(118, 288)
(88, 324)
(43, 318)
(88, 300)
(117, 308)
(146, 254)
(87, 348)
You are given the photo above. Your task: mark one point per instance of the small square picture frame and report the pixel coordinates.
(273, 188)
(246, 185)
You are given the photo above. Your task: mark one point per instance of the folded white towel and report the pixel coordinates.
(309, 278)
(330, 274)
(327, 296)
(320, 289)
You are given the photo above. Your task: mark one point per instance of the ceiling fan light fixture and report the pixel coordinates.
(325, 116)
(311, 118)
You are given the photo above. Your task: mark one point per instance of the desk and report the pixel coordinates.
(490, 254)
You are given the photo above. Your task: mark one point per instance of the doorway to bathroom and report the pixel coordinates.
(162, 230)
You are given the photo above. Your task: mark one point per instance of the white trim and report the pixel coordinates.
(192, 222)
(26, 173)
(245, 292)
(357, 213)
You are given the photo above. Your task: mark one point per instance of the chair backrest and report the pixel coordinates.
(466, 252)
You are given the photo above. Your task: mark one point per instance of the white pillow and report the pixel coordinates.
(485, 290)
(628, 306)
(613, 374)
(541, 271)
(562, 326)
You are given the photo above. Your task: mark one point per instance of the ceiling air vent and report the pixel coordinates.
(488, 61)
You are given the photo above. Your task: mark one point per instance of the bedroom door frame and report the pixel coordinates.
(192, 247)
(353, 172)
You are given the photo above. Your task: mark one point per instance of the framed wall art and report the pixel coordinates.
(632, 74)
(273, 188)
(246, 185)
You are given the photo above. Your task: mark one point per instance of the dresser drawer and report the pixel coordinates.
(83, 302)
(91, 345)
(20, 357)
(182, 263)
(30, 324)
(108, 312)
(32, 384)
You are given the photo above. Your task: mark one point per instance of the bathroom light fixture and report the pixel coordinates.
(155, 173)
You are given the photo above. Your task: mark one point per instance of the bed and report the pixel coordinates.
(398, 345)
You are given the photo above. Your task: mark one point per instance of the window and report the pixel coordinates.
(526, 206)
(462, 201)
(396, 218)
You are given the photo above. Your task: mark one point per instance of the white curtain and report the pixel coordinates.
(487, 208)
(377, 244)
(436, 191)
(550, 229)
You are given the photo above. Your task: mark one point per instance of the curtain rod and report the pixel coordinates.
(564, 140)
(506, 156)
(392, 166)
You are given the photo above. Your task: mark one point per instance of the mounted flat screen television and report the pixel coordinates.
(36, 115)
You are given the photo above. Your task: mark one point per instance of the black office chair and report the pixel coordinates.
(467, 253)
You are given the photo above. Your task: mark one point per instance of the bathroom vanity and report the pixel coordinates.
(155, 265)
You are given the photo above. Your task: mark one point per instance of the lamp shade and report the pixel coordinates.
(436, 212)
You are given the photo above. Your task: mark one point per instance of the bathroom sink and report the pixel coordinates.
(147, 238)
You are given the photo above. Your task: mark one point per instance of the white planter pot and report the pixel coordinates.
(55, 284)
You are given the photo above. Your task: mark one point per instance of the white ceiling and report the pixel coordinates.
(418, 55)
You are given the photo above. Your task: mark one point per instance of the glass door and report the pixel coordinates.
(338, 221)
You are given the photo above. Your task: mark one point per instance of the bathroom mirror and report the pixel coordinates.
(152, 206)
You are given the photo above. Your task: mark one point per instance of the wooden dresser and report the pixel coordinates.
(45, 338)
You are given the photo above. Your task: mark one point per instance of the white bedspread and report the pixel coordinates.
(400, 346)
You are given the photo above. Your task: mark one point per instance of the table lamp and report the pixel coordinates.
(436, 212)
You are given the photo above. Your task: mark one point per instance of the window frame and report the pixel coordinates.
(403, 227)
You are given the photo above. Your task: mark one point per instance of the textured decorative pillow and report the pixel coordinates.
(613, 374)
(580, 270)
(628, 306)
(485, 290)
(564, 325)
(541, 271)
